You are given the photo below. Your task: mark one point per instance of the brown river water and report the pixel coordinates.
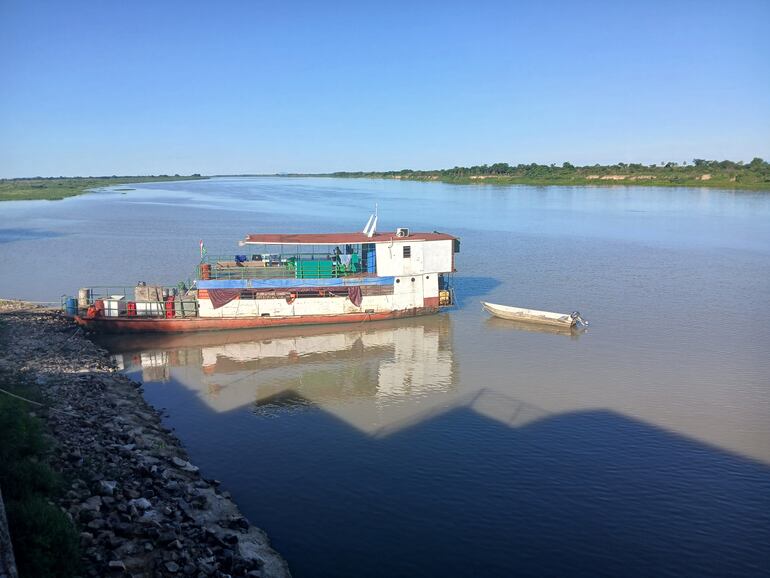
(456, 444)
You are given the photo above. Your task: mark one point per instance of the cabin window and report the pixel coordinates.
(407, 252)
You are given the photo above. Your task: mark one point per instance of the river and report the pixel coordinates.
(458, 445)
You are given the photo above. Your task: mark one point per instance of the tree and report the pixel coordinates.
(757, 164)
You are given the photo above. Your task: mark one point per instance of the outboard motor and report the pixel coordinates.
(575, 315)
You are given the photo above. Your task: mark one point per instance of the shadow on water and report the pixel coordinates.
(468, 288)
(484, 486)
(505, 325)
(13, 235)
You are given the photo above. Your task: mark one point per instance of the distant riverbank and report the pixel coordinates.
(607, 180)
(700, 173)
(54, 189)
(752, 176)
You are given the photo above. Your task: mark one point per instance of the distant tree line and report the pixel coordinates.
(756, 172)
(53, 188)
(62, 178)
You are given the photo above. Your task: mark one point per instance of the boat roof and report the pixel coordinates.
(339, 238)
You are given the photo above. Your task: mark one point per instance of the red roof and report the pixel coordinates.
(340, 238)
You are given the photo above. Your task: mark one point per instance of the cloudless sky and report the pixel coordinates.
(115, 87)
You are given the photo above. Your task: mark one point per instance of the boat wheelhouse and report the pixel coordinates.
(288, 279)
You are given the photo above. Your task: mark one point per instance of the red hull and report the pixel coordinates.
(189, 324)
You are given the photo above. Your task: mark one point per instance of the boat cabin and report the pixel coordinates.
(394, 271)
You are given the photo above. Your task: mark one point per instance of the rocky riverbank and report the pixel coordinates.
(142, 509)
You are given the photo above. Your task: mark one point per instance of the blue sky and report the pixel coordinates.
(108, 87)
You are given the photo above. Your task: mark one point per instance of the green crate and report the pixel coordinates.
(315, 270)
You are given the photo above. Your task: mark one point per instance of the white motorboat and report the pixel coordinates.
(564, 320)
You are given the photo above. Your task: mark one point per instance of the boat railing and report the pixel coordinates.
(103, 292)
(136, 300)
(128, 292)
(296, 265)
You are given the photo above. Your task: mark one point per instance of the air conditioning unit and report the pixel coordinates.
(402, 232)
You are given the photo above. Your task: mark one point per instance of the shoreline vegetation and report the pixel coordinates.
(57, 188)
(754, 175)
(737, 175)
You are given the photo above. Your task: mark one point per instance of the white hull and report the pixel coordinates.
(408, 293)
(563, 320)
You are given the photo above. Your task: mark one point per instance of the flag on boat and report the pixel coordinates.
(203, 249)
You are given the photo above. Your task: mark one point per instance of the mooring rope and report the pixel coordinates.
(49, 408)
(63, 343)
(21, 398)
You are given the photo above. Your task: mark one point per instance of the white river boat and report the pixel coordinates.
(287, 279)
(564, 320)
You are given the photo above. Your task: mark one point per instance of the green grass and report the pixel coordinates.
(45, 543)
(54, 189)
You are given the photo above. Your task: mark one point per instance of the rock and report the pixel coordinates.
(106, 487)
(93, 503)
(172, 567)
(124, 529)
(141, 503)
(185, 465)
(114, 542)
(167, 537)
(200, 502)
(117, 565)
(86, 538)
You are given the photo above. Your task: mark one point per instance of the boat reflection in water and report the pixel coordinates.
(372, 376)
(497, 324)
